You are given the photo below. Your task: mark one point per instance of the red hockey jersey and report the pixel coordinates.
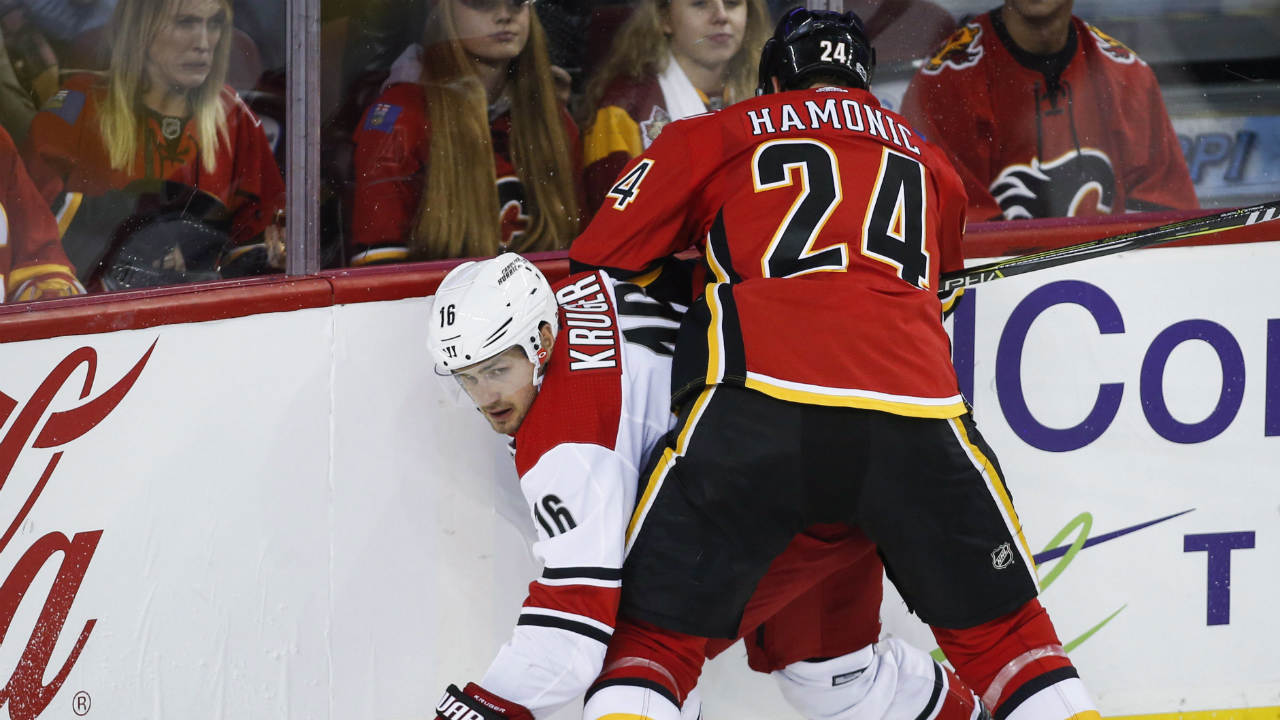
(65, 153)
(579, 452)
(825, 221)
(32, 264)
(632, 112)
(393, 149)
(1084, 132)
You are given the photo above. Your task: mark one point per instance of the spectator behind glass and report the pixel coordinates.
(477, 157)
(32, 264)
(1045, 115)
(903, 30)
(63, 20)
(161, 137)
(16, 105)
(671, 59)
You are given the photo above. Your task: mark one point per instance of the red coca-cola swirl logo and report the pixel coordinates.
(26, 694)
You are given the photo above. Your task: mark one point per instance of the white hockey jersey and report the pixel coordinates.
(603, 404)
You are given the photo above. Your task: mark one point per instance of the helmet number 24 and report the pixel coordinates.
(834, 52)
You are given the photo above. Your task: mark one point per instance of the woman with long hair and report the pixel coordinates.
(160, 117)
(669, 60)
(476, 158)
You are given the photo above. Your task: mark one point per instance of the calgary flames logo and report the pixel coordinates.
(26, 693)
(512, 216)
(1081, 183)
(963, 49)
(1113, 48)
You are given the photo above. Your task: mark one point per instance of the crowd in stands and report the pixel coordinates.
(149, 129)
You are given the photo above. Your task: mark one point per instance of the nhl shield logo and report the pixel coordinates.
(1002, 556)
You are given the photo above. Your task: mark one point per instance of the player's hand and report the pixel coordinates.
(476, 703)
(173, 260)
(273, 238)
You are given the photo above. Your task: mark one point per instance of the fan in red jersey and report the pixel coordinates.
(579, 377)
(671, 59)
(32, 264)
(474, 157)
(105, 145)
(1045, 115)
(814, 380)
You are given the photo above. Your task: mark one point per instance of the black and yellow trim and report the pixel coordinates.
(653, 484)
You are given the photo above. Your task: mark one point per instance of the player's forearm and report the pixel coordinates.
(544, 668)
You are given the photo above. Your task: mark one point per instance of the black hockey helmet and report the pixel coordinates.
(809, 42)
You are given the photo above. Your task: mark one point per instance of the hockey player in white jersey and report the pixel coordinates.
(579, 376)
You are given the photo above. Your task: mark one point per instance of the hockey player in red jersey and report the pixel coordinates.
(814, 380)
(580, 378)
(1045, 115)
(32, 264)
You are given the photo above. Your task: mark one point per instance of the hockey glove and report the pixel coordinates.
(476, 703)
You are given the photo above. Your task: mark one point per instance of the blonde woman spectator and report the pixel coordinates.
(476, 157)
(161, 112)
(671, 59)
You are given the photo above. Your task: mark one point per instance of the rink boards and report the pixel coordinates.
(261, 503)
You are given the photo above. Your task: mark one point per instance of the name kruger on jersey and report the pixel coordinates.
(603, 402)
(588, 320)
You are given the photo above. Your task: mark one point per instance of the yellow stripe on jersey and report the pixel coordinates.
(67, 213)
(1086, 715)
(950, 300)
(715, 337)
(645, 279)
(17, 276)
(715, 331)
(659, 473)
(997, 484)
(378, 255)
(865, 402)
(623, 716)
(239, 251)
(613, 131)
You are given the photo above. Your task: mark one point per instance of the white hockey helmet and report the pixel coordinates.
(483, 307)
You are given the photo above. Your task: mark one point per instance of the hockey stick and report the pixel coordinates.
(1181, 230)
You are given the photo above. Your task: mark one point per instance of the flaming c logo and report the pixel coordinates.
(1078, 183)
(511, 213)
(1112, 48)
(962, 49)
(25, 693)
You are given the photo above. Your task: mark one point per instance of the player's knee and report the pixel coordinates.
(631, 701)
(1017, 664)
(891, 681)
(927, 689)
(642, 653)
(837, 689)
(638, 687)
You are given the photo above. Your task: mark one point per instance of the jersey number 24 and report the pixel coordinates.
(893, 229)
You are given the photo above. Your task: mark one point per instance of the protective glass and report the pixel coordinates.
(491, 5)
